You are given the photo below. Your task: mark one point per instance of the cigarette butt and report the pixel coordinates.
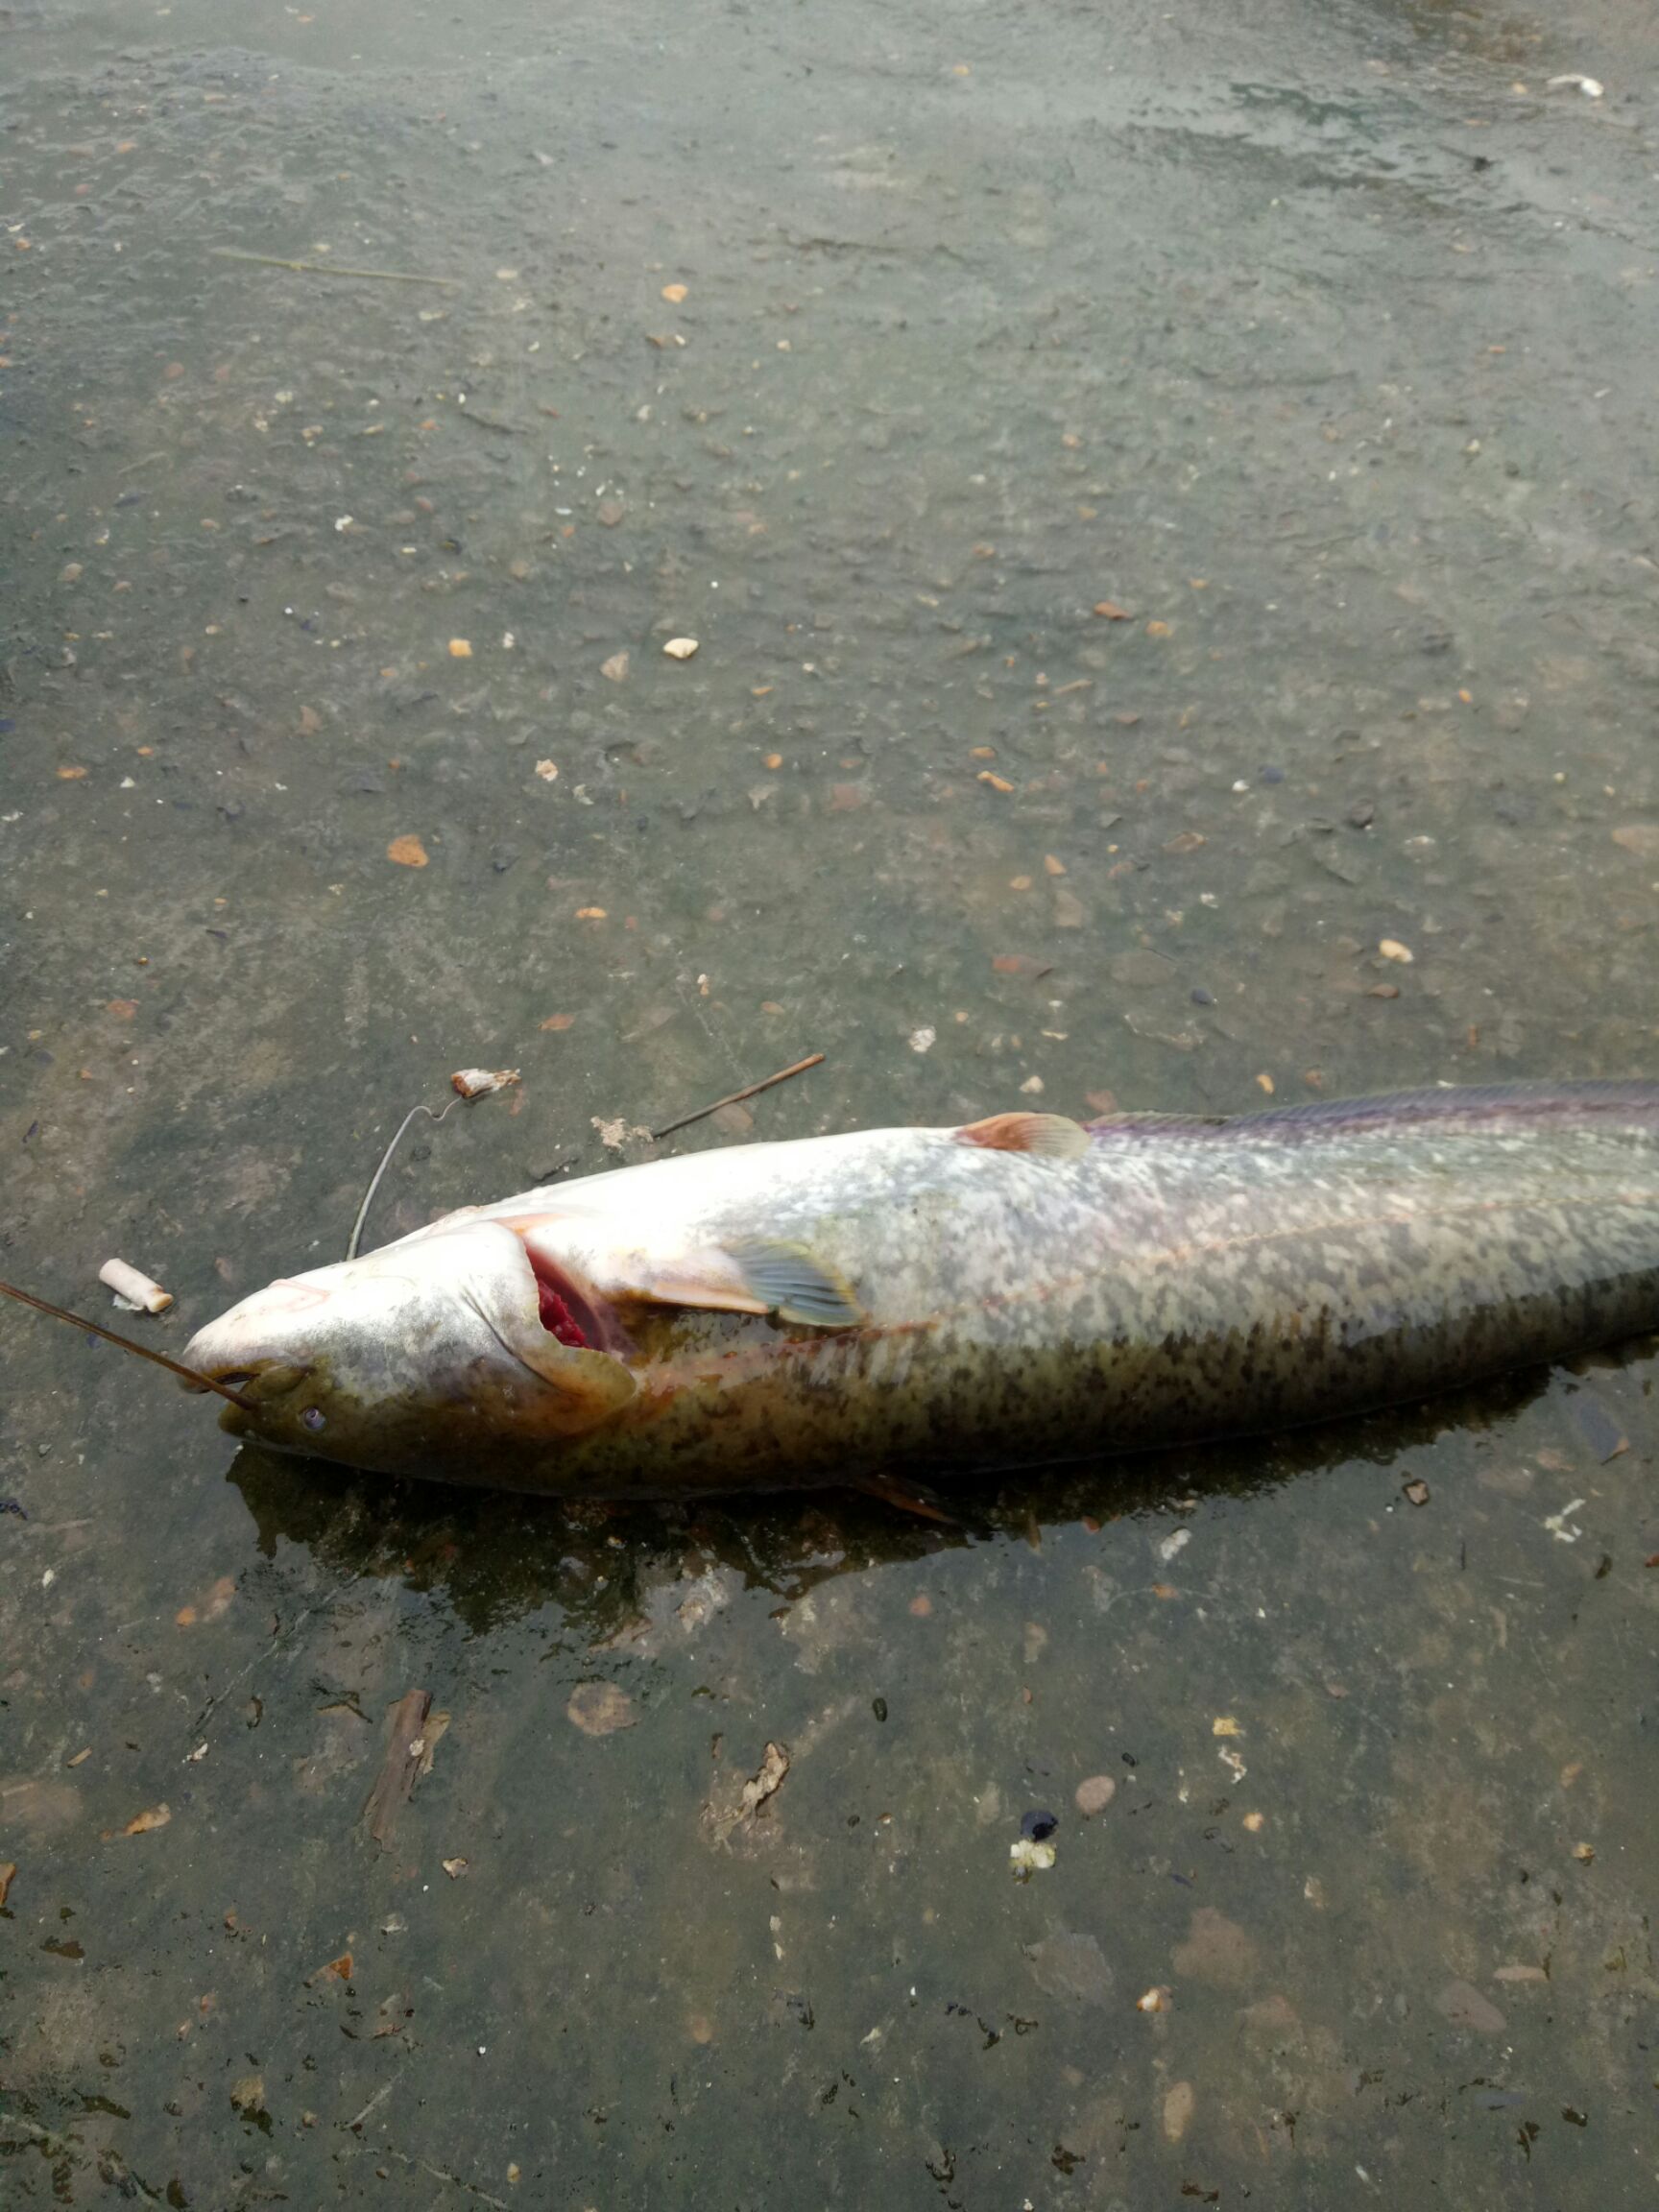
(139, 1292)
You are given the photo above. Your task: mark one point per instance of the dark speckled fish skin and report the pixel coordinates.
(1181, 1280)
(1189, 1280)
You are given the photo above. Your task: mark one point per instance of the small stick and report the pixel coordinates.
(190, 1375)
(275, 1644)
(379, 2098)
(400, 1768)
(385, 1162)
(332, 269)
(737, 1097)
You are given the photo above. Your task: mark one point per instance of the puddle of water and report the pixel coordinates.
(1321, 351)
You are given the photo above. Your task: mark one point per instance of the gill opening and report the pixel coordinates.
(572, 1311)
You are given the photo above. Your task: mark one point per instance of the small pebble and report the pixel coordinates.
(1038, 1826)
(1464, 2006)
(1094, 1794)
(1179, 2105)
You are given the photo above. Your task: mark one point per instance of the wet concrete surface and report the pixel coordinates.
(1318, 344)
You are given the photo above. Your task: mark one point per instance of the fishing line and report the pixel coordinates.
(385, 1162)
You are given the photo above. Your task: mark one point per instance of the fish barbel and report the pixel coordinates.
(1023, 1290)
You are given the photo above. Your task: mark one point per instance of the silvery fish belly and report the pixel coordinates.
(935, 1301)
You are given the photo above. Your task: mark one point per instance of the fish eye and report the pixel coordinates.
(314, 1418)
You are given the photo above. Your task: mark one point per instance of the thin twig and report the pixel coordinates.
(333, 269)
(379, 2098)
(737, 1097)
(35, 2131)
(67, 2147)
(275, 1643)
(191, 1374)
(385, 1162)
(442, 2173)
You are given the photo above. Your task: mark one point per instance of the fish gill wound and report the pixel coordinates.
(577, 1352)
(571, 1310)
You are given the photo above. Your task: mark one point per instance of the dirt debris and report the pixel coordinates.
(412, 1738)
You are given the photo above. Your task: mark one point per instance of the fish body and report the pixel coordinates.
(932, 1301)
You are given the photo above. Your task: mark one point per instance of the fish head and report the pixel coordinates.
(441, 1355)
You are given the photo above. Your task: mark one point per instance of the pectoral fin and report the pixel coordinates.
(796, 1287)
(757, 1275)
(1046, 1136)
(712, 1281)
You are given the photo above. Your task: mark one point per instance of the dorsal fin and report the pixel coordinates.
(1046, 1136)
